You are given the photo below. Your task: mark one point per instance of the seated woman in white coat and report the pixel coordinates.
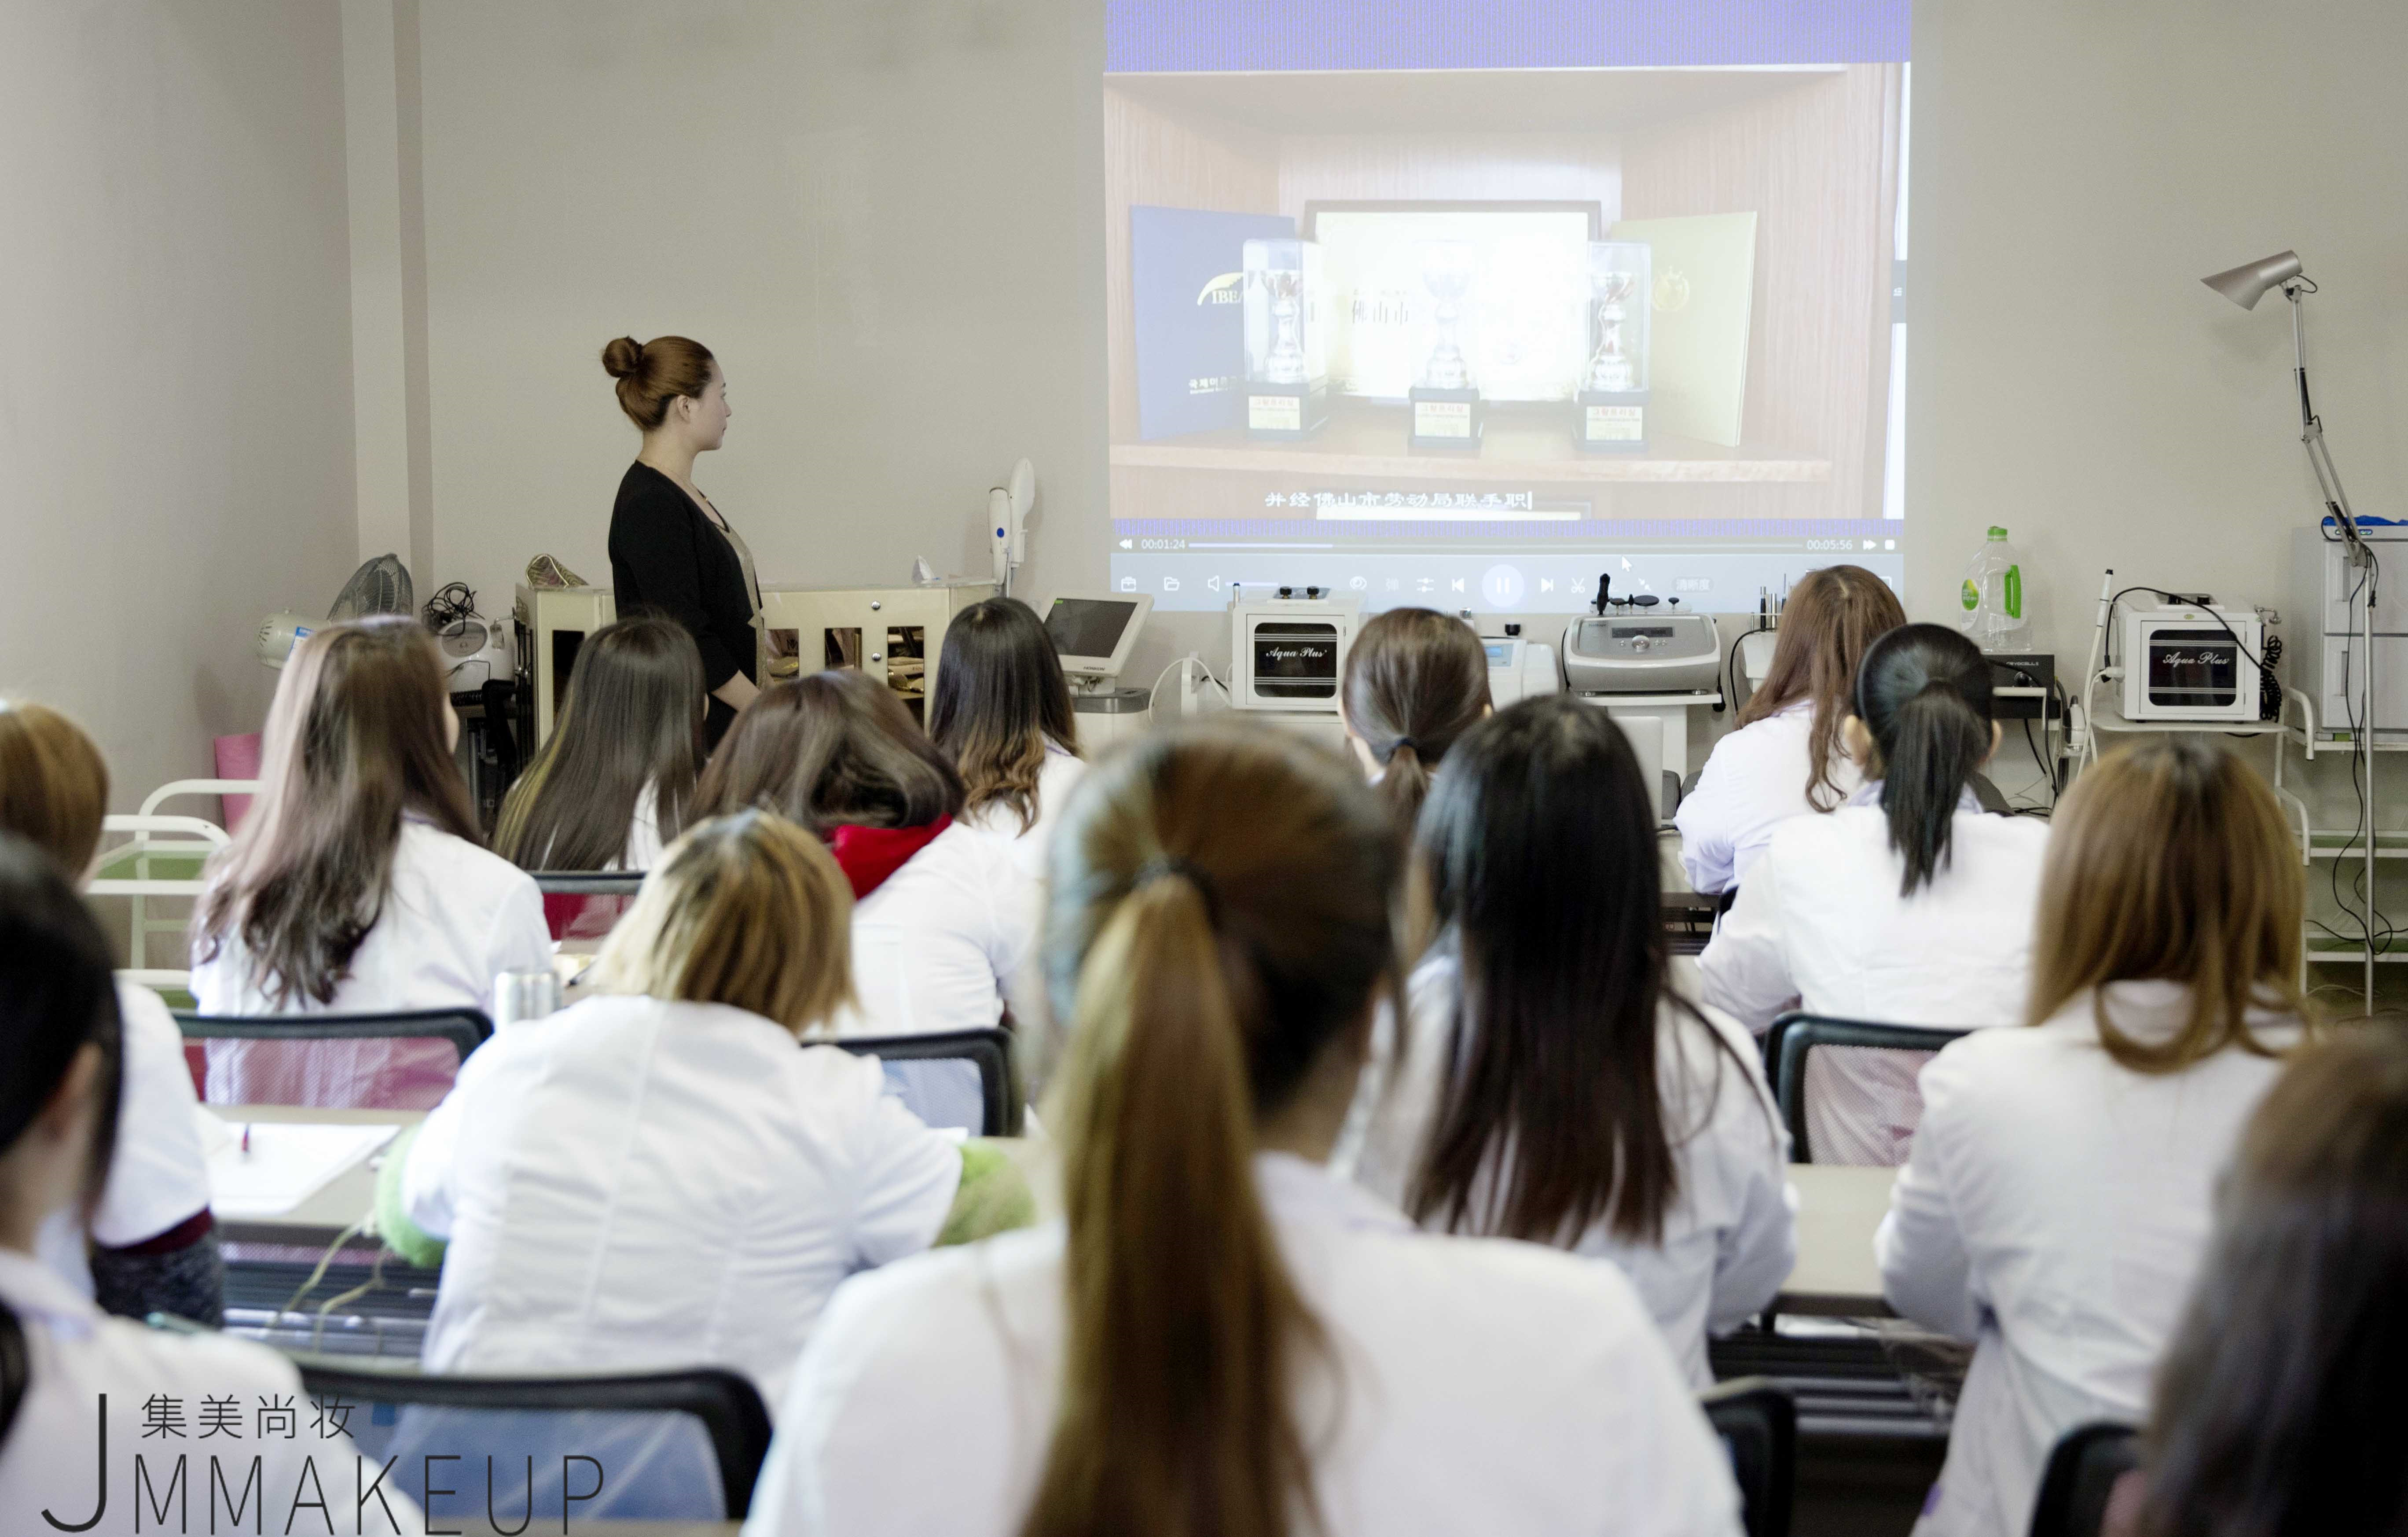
(1000, 711)
(943, 919)
(74, 1381)
(151, 1245)
(1785, 758)
(1416, 680)
(1554, 1085)
(1223, 1336)
(358, 884)
(610, 787)
(2058, 1198)
(1909, 905)
(660, 1176)
(2273, 1405)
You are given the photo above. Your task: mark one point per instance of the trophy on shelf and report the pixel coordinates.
(1612, 403)
(1287, 385)
(1445, 405)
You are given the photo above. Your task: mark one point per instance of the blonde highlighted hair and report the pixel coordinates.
(748, 911)
(2170, 861)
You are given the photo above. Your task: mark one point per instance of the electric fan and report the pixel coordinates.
(380, 586)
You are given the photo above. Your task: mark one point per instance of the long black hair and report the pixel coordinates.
(999, 702)
(1540, 844)
(1924, 694)
(57, 996)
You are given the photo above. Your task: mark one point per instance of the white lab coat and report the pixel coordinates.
(1754, 781)
(453, 917)
(942, 941)
(2055, 1212)
(75, 1355)
(633, 1184)
(1054, 783)
(1483, 1385)
(158, 1176)
(1728, 1238)
(644, 841)
(1820, 925)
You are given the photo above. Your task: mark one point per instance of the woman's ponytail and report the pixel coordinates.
(1415, 680)
(1176, 1415)
(1924, 696)
(1404, 783)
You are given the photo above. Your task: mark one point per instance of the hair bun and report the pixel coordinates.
(623, 358)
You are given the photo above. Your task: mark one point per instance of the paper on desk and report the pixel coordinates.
(288, 1162)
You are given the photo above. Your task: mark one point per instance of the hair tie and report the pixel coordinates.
(1170, 867)
(1403, 742)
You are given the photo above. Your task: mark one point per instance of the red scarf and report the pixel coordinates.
(867, 855)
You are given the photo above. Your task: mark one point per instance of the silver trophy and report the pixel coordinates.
(1286, 375)
(1609, 409)
(1609, 367)
(1446, 272)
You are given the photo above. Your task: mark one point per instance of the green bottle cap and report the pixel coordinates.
(1997, 532)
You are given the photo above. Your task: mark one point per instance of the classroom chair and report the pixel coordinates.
(954, 1078)
(586, 904)
(416, 1081)
(683, 1446)
(1798, 1085)
(1758, 1421)
(2084, 1469)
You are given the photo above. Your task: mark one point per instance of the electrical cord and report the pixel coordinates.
(2374, 927)
(452, 605)
(1154, 693)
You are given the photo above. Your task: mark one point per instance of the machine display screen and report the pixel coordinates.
(2195, 667)
(1295, 661)
(1500, 654)
(1653, 632)
(1087, 626)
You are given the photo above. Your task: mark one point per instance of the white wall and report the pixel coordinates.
(884, 219)
(175, 375)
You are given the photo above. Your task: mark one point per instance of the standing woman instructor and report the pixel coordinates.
(670, 549)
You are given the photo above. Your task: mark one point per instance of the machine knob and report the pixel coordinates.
(875, 604)
(1640, 642)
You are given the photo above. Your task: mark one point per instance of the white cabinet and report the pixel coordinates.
(895, 633)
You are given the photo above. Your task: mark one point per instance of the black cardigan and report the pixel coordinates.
(668, 558)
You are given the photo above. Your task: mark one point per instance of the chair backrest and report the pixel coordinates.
(309, 1060)
(1902, 1050)
(1757, 1420)
(586, 904)
(2084, 1468)
(932, 1072)
(656, 1441)
(465, 1028)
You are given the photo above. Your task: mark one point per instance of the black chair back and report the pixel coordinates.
(2084, 1468)
(1757, 1420)
(1796, 1034)
(722, 1405)
(989, 1051)
(588, 882)
(465, 1028)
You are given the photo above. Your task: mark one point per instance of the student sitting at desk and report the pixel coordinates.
(358, 884)
(2057, 1202)
(1785, 758)
(659, 1177)
(612, 785)
(1002, 712)
(1416, 680)
(1909, 905)
(2274, 1403)
(944, 916)
(152, 1249)
(72, 1379)
(1223, 1337)
(1553, 1086)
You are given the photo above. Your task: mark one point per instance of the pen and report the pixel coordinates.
(246, 1138)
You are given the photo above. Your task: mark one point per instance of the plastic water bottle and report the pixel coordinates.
(1993, 595)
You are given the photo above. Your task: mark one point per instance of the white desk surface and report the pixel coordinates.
(339, 1204)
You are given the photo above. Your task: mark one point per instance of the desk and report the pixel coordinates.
(341, 1202)
(1839, 1206)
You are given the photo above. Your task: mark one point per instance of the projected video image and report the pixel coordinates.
(1403, 311)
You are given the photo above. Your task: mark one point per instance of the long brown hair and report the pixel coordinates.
(747, 909)
(354, 743)
(653, 374)
(2272, 1401)
(1001, 701)
(1221, 919)
(53, 784)
(1834, 616)
(830, 748)
(2170, 859)
(1415, 680)
(632, 718)
(1540, 848)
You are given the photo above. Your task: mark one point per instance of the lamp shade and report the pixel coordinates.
(2245, 284)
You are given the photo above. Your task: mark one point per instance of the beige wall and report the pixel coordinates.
(884, 218)
(175, 394)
